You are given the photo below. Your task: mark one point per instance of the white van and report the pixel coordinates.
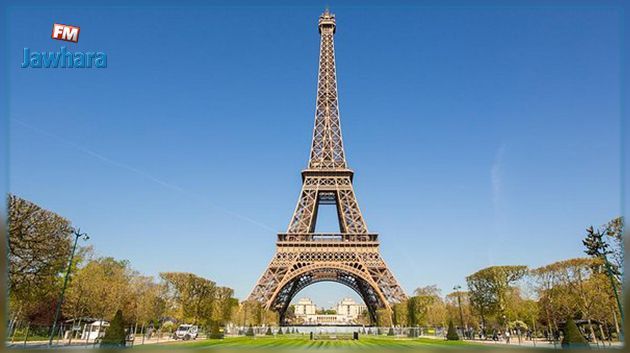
(186, 332)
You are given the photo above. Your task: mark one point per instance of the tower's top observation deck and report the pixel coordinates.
(327, 20)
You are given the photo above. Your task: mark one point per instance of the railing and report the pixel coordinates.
(328, 237)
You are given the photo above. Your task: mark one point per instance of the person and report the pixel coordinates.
(507, 336)
(495, 337)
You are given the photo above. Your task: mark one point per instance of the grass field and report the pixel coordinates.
(302, 342)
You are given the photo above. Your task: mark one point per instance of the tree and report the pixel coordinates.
(100, 288)
(451, 333)
(400, 313)
(453, 301)
(573, 337)
(115, 334)
(490, 287)
(607, 241)
(426, 308)
(572, 288)
(413, 311)
(147, 303)
(190, 298)
(252, 312)
(383, 317)
(601, 249)
(223, 305)
(215, 331)
(250, 331)
(38, 250)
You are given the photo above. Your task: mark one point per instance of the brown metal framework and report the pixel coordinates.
(350, 257)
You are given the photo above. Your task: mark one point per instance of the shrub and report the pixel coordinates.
(269, 333)
(573, 337)
(391, 332)
(279, 331)
(250, 331)
(115, 334)
(451, 334)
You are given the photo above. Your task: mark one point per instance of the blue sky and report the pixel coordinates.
(479, 135)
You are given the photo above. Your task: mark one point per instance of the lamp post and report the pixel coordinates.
(459, 304)
(77, 234)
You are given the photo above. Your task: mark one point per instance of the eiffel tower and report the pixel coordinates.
(350, 257)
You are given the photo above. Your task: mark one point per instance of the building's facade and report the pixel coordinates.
(347, 312)
(305, 307)
(350, 309)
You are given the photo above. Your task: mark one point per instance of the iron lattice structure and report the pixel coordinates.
(350, 257)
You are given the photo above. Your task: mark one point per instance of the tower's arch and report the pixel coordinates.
(346, 275)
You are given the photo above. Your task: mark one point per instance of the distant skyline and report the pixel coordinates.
(479, 136)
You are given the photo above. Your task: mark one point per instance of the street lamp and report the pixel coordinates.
(77, 234)
(459, 303)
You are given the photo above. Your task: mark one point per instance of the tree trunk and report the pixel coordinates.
(601, 333)
(26, 335)
(616, 322)
(15, 328)
(590, 327)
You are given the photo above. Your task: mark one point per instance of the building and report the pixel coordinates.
(350, 309)
(304, 307)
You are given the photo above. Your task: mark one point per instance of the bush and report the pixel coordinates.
(250, 331)
(269, 333)
(573, 337)
(451, 334)
(279, 331)
(391, 332)
(115, 334)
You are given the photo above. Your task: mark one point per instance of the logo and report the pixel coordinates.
(63, 58)
(65, 32)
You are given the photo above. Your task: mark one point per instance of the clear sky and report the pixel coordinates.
(479, 135)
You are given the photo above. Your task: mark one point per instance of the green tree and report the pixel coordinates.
(101, 287)
(599, 248)
(490, 287)
(607, 241)
(426, 308)
(115, 334)
(453, 301)
(250, 331)
(571, 291)
(451, 333)
(39, 246)
(400, 313)
(190, 298)
(573, 337)
(215, 330)
(383, 317)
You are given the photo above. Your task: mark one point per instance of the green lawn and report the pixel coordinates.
(303, 342)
